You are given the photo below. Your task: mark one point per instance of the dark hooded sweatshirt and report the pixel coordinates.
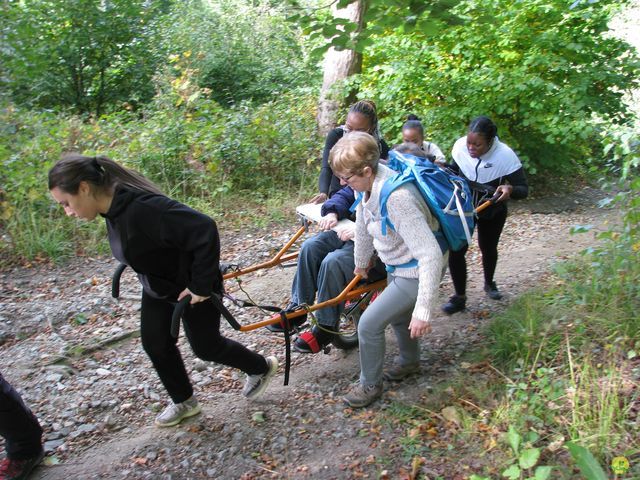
(169, 245)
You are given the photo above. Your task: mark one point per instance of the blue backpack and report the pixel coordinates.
(447, 195)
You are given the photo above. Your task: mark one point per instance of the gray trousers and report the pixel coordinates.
(393, 307)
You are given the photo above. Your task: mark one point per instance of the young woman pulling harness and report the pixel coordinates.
(175, 251)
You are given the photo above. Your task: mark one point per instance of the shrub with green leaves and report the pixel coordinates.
(198, 152)
(81, 55)
(240, 50)
(544, 70)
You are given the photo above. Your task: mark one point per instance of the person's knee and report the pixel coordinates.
(159, 352)
(368, 329)
(212, 350)
(311, 247)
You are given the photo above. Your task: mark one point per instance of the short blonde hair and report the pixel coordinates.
(354, 152)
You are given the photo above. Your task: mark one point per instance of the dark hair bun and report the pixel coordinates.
(411, 116)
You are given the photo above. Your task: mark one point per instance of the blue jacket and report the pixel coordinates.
(339, 203)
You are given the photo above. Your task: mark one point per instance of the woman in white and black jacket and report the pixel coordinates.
(493, 168)
(175, 251)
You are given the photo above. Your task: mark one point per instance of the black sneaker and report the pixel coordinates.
(456, 303)
(295, 322)
(12, 469)
(492, 291)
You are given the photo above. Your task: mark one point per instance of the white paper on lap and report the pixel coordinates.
(311, 211)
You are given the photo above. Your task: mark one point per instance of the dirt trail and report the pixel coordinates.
(75, 355)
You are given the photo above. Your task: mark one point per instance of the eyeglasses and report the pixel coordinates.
(346, 179)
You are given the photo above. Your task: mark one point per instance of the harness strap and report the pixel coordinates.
(409, 264)
(358, 199)
(217, 302)
(286, 323)
(245, 304)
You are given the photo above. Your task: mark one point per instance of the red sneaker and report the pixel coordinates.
(12, 469)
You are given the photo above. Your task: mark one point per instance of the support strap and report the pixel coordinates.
(310, 339)
(217, 302)
(286, 323)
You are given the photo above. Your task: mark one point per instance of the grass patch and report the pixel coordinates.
(553, 393)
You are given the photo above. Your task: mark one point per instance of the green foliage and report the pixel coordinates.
(524, 459)
(326, 30)
(87, 55)
(542, 71)
(239, 50)
(213, 158)
(589, 466)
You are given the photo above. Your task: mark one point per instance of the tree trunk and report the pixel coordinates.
(338, 66)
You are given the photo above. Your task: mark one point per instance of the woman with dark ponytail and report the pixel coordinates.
(413, 132)
(175, 251)
(493, 168)
(362, 117)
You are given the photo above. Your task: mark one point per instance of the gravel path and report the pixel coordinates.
(74, 354)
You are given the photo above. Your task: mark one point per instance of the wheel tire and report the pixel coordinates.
(347, 337)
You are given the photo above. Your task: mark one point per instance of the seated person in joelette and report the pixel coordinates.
(325, 267)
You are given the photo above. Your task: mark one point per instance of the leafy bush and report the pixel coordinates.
(198, 152)
(240, 50)
(82, 55)
(543, 71)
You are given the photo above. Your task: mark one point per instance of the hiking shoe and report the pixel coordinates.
(295, 322)
(256, 384)
(492, 291)
(176, 412)
(360, 395)
(400, 372)
(19, 469)
(456, 303)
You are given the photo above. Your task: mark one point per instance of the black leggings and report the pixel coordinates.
(18, 426)
(202, 328)
(489, 231)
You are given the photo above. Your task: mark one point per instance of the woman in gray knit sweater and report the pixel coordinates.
(411, 253)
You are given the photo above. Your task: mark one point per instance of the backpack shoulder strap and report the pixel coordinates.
(387, 187)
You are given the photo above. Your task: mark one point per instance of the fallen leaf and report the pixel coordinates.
(451, 415)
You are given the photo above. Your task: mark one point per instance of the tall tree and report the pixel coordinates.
(351, 29)
(339, 64)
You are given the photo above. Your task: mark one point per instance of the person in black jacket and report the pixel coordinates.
(362, 117)
(22, 434)
(325, 267)
(175, 251)
(492, 168)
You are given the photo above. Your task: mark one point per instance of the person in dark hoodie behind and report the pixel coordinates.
(362, 117)
(175, 251)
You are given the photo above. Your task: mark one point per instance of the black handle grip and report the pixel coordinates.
(115, 280)
(178, 310)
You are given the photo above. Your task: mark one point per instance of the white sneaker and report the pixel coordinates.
(256, 384)
(176, 412)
